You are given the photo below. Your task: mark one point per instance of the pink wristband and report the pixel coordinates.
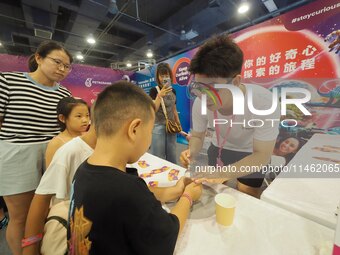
(186, 195)
(31, 240)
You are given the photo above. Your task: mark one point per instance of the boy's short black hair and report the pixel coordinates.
(220, 56)
(118, 103)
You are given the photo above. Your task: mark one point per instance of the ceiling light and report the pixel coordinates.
(80, 56)
(270, 4)
(188, 35)
(91, 40)
(149, 54)
(243, 8)
(128, 64)
(113, 7)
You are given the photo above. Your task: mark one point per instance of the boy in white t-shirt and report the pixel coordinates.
(241, 145)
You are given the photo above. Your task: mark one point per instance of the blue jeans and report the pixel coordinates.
(163, 144)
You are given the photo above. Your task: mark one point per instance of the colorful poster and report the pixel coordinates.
(180, 65)
(83, 81)
(294, 52)
(287, 51)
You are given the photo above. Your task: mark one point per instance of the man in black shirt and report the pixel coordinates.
(112, 211)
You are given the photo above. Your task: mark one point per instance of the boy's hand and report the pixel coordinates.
(182, 183)
(194, 190)
(185, 158)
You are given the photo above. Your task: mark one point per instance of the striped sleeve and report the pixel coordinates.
(3, 94)
(28, 109)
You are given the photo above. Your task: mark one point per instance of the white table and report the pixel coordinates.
(258, 228)
(314, 198)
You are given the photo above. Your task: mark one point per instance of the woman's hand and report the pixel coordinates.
(164, 91)
(185, 158)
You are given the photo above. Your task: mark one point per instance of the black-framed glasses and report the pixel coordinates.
(60, 64)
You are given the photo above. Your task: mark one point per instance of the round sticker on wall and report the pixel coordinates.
(181, 71)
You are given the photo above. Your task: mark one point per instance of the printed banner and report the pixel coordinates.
(287, 51)
(83, 81)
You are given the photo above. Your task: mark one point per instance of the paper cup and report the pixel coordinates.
(225, 209)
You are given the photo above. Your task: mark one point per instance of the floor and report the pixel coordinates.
(4, 250)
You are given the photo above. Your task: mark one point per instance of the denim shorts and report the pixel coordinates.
(163, 144)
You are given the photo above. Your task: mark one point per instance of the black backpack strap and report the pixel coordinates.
(61, 220)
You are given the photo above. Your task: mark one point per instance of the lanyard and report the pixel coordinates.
(220, 145)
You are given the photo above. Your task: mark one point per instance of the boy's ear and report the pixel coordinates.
(237, 80)
(133, 128)
(61, 118)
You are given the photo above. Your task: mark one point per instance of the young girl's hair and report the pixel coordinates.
(43, 50)
(65, 107)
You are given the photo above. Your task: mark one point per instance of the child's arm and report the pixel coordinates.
(148, 223)
(166, 194)
(36, 220)
(52, 147)
(191, 193)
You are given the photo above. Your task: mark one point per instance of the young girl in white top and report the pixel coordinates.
(73, 118)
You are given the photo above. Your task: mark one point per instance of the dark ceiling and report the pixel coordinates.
(125, 29)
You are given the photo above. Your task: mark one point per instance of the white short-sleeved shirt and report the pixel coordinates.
(241, 135)
(59, 175)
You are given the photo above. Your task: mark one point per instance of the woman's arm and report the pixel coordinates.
(157, 102)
